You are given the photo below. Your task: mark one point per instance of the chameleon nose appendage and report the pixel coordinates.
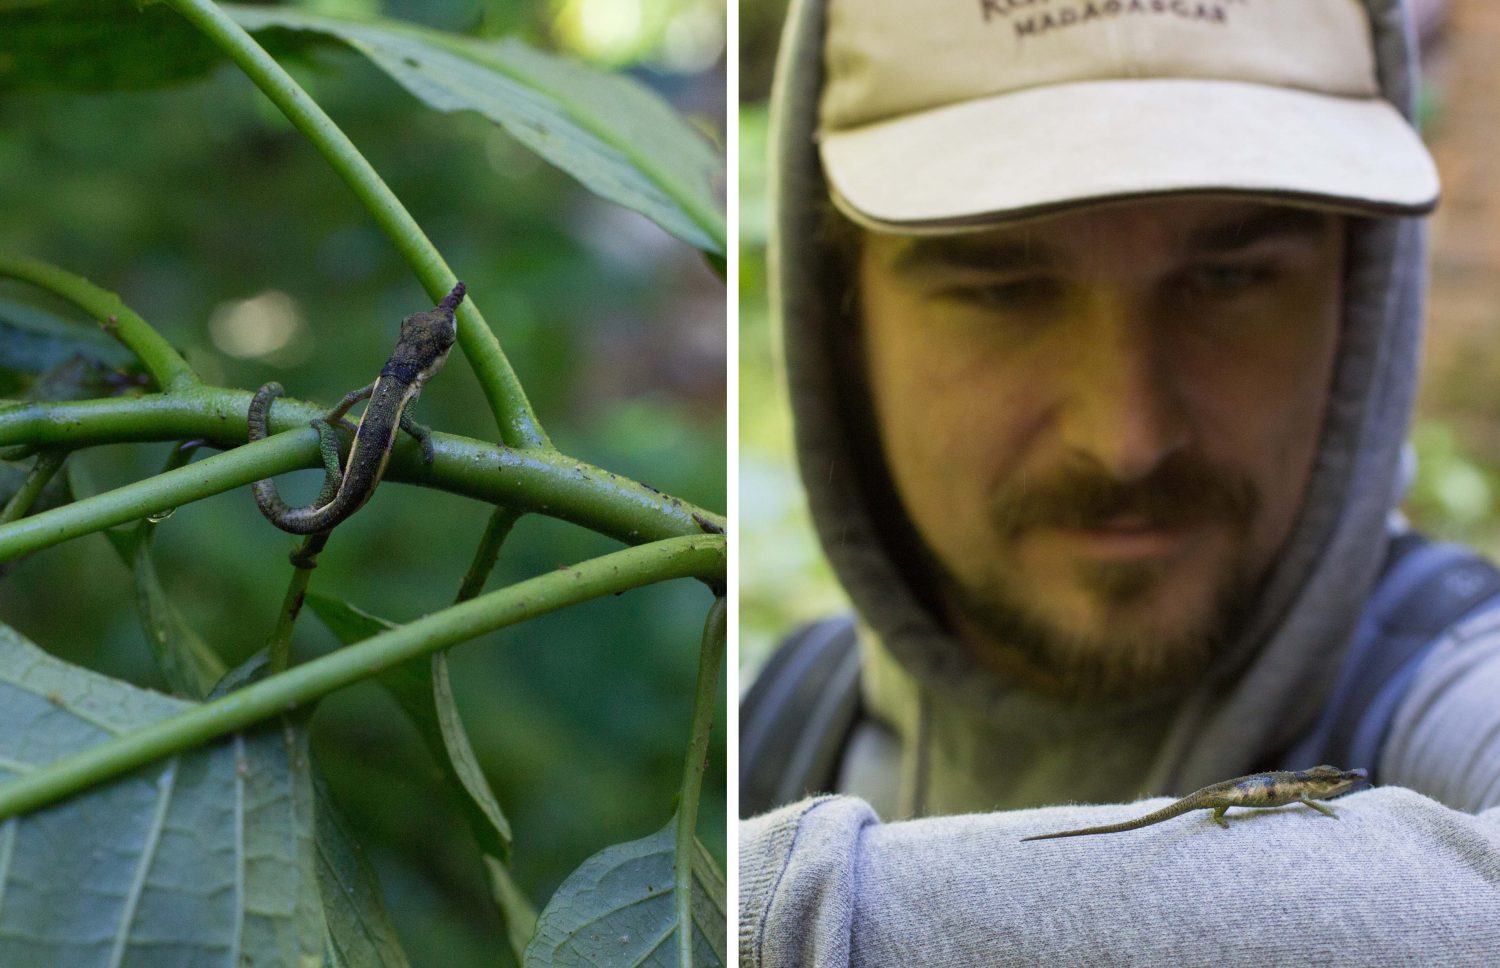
(450, 302)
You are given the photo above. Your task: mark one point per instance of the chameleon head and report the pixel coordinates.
(1329, 781)
(426, 337)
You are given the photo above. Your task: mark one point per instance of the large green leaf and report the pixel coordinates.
(33, 340)
(205, 858)
(189, 664)
(618, 908)
(422, 689)
(97, 45)
(360, 934)
(612, 134)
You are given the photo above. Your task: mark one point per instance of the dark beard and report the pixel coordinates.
(1115, 663)
(1183, 491)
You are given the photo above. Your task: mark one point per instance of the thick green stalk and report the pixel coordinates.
(544, 482)
(706, 697)
(166, 366)
(518, 424)
(610, 574)
(155, 494)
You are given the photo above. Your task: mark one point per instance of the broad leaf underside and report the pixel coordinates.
(202, 859)
(619, 909)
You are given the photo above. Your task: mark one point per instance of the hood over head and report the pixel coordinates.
(989, 132)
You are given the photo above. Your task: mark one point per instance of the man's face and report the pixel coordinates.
(1101, 424)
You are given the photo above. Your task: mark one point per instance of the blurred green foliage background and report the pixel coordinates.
(216, 221)
(1456, 432)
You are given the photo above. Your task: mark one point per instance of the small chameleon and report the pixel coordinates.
(1274, 789)
(421, 350)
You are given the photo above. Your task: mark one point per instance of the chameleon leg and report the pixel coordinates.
(1321, 808)
(422, 433)
(336, 415)
(306, 555)
(333, 470)
(1218, 817)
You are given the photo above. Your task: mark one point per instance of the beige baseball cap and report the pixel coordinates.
(942, 114)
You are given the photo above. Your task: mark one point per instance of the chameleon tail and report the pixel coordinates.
(278, 512)
(271, 504)
(450, 302)
(260, 411)
(1165, 813)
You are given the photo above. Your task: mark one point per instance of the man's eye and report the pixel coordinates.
(1012, 294)
(1226, 278)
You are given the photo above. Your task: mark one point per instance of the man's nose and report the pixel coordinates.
(1124, 406)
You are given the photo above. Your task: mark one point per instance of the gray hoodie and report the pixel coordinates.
(1410, 874)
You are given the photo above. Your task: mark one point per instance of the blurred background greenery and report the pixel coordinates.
(1456, 433)
(216, 221)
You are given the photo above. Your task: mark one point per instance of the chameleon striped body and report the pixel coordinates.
(1258, 790)
(423, 346)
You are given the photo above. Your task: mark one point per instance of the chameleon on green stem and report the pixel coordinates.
(421, 350)
(1260, 790)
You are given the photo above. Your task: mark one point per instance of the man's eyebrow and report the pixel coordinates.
(1268, 224)
(969, 252)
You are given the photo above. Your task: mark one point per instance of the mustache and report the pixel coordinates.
(1185, 489)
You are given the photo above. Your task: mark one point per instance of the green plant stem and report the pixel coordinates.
(151, 496)
(279, 649)
(213, 414)
(544, 482)
(46, 466)
(167, 368)
(613, 573)
(501, 521)
(706, 697)
(518, 424)
(304, 560)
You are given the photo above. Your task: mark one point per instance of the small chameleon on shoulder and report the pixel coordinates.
(1258, 790)
(421, 349)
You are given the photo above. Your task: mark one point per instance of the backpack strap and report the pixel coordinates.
(798, 714)
(1424, 589)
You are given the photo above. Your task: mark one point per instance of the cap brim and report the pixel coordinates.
(1028, 152)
